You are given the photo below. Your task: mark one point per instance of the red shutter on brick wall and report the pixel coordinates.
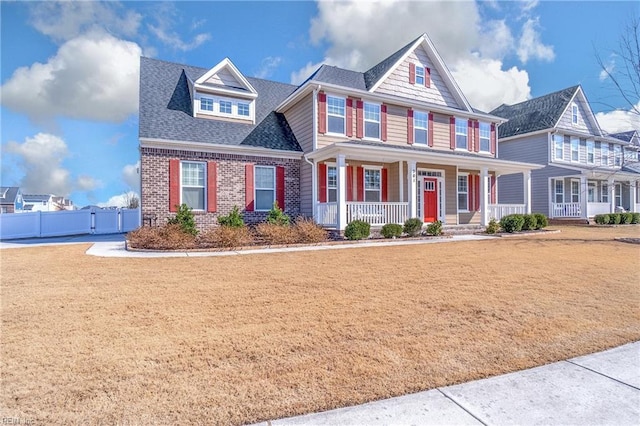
(280, 187)
(383, 122)
(349, 114)
(470, 197)
(470, 135)
(359, 119)
(322, 183)
(322, 112)
(427, 77)
(360, 184)
(493, 190)
(430, 130)
(383, 182)
(248, 188)
(477, 192)
(412, 73)
(410, 126)
(493, 138)
(452, 132)
(174, 185)
(350, 196)
(212, 186)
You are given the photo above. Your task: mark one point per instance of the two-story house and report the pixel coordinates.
(397, 141)
(10, 199)
(586, 172)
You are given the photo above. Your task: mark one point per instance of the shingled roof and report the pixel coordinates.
(8, 194)
(376, 72)
(624, 136)
(535, 114)
(166, 110)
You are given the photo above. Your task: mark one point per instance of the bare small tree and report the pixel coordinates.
(131, 200)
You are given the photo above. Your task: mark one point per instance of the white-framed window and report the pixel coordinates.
(420, 75)
(461, 133)
(371, 120)
(591, 192)
(575, 149)
(463, 192)
(617, 155)
(591, 158)
(420, 127)
(335, 115)
(221, 106)
(558, 147)
(485, 137)
(604, 149)
(372, 185)
(206, 104)
(574, 114)
(265, 187)
(192, 184)
(243, 109)
(225, 107)
(559, 191)
(575, 191)
(604, 192)
(618, 194)
(332, 184)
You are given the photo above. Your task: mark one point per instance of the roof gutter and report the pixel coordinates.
(218, 148)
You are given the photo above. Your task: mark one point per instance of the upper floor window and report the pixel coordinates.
(590, 152)
(461, 133)
(617, 155)
(215, 105)
(192, 184)
(372, 185)
(243, 109)
(371, 121)
(420, 75)
(574, 114)
(265, 187)
(558, 147)
(575, 149)
(335, 114)
(420, 127)
(485, 137)
(206, 104)
(604, 148)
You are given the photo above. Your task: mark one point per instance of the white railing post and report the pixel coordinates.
(632, 195)
(612, 195)
(583, 197)
(342, 193)
(413, 191)
(527, 191)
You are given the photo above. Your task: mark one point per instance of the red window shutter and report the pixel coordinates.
(360, 184)
(470, 135)
(493, 189)
(212, 186)
(410, 126)
(430, 129)
(470, 197)
(248, 187)
(322, 112)
(383, 182)
(359, 119)
(174, 185)
(493, 138)
(383, 122)
(350, 196)
(476, 136)
(452, 132)
(280, 187)
(477, 192)
(349, 118)
(322, 183)
(412, 73)
(427, 77)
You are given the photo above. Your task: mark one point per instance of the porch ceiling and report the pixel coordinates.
(394, 153)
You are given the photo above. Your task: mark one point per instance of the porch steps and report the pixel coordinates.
(568, 221)
(461, 229)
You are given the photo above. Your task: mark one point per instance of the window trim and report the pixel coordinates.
(466, 193)
(365, 120)
(343, 116)
(204, 184)
(591, 185)
(591, 144)
(330, 187)
(575, 143)
(255, 187)
(572, 186)
(423, 76)
(558, 143)
(604, 192)
(466, 133)
(555, 191)
(488, 138)
(574, 113)
(426, 128)
(216, 111)
(377, 169)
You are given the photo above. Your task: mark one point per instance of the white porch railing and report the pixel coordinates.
(498, 211)
(566, 210)
(598, 208)
(377, 213)
(637, 208)
(327, 214)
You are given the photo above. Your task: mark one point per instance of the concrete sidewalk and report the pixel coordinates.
(597, 389)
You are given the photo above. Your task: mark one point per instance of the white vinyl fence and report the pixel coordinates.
(68, 222)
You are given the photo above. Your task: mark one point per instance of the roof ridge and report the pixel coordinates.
(572, 88)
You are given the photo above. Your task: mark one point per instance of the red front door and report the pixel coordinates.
(430, 198)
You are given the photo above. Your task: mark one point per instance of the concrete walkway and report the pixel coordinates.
(597, 389)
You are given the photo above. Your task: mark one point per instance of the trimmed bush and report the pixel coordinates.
(492, 227)
(309, 232)
(635, 219)
(614, 218)
(412, 227)
(541, 221)
(434, 228)
(357, 230)
(601, 219)
(626, 218)
(225, 236)
(512, 223)
(391, 230)
(277, 216)
(530, 222)
(271, 233)
(168, 237)
(233, 219)
(185, 219)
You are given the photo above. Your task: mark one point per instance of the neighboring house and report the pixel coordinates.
(632, 149)
(46, 203)
(397, 141)
(585, 170)
(10, 199)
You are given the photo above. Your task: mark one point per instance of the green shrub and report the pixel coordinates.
(512, 223)
(271, 233)
(541, 221)
(277, 216)
(168, 237)
(434, 228)
(636, 218)
(357, 230)
(391, 230)
(225, 236)
(233, 219)
(309, 232)
(626, 218)
(602, 219)
(412, 227)
(185, 219)
(614, 218)
(530, 222)
(492, 227)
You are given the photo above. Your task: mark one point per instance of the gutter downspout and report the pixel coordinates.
(314, 146)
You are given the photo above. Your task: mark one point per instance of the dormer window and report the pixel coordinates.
(206, 104)
(243, 109)
(574, 114)
(225, 107)
(212, 105)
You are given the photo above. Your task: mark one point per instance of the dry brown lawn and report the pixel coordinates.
(231, 340)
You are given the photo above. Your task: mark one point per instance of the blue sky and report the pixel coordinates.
(69, 71)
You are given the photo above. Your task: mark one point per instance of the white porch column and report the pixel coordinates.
(400, 181)
(612, 195)
(584, 196)
(632, 195)
(413, 190)
(342, 191)
(484, 197)
(527, 191)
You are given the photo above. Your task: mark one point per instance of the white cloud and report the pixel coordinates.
(608, 68)
(121, 200)
(94, 76)
(619, 120)
(530, 46)
(268, 65)
(40, 159)
(496, 39)
(166, 17)
(131, 175)
(303, 73)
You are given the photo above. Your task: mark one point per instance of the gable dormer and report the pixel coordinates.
(578, 115)
(223, 93)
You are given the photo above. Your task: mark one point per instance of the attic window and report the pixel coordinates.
(419, 75)
(574, 114)
(212, 105)
(206, 104)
